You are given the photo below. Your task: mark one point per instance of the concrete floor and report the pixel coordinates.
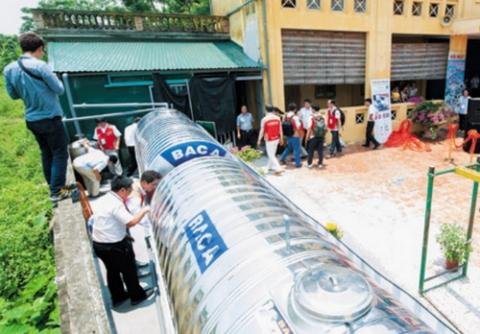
(378, 199)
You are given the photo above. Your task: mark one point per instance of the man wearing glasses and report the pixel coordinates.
(113, 245)
(31, 79)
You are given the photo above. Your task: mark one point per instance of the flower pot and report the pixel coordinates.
(451, 264)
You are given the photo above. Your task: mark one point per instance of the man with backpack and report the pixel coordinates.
(316, 137)
(293, 131)
(271, 132)
(334, 123)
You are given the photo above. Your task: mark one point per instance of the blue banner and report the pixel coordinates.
(181, 153)
(206, 243)
(455, 80)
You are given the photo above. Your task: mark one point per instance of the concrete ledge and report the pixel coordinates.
(82, 309)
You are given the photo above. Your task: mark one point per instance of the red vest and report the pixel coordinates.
(106, 139)
(331, 120)
(272, 129)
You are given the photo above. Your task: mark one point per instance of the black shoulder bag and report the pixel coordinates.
(29, 73)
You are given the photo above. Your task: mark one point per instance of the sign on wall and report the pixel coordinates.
(455, 79)
(383, 115)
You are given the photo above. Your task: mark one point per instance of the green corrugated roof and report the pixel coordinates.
(146, 56)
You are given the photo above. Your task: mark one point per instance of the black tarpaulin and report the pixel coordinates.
(213, 99)
(163, 93)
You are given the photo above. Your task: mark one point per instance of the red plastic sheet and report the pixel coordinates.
(404, 138)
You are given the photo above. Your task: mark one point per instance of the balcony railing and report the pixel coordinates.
(117, 21)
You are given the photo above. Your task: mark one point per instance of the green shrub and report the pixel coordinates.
(28, 301)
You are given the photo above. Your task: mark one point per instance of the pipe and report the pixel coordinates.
(66, 83)
(120, 105)
(239, 8)
(267, 52)
(115, 114)
(189, 99)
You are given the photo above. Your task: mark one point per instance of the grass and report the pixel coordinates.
(28, 301)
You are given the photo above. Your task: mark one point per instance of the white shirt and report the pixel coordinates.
(111, 219)
(130, 134)
(305, 115)
(371, 113)
(93, 159)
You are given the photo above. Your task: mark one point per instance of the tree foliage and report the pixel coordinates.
(9, 50)
(195, 7)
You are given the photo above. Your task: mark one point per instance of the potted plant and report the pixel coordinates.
(455, 247)
(432, 116)
(334, 230)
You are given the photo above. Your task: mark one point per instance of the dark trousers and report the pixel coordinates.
(132, 167)
(369, 134)
(335, 145)
(119, 259)
(315, 144)
(51, 138)
(462, 122)
(247, 138)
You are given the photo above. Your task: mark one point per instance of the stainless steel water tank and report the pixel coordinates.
(239, 258)
(167, 138)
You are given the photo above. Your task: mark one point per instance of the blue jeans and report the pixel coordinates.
(51, 138)
(293, 145)
(335, 145)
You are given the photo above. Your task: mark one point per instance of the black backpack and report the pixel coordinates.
(342, 116)
(287, 128)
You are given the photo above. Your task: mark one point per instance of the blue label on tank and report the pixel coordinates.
(178, 154)
(206, 243)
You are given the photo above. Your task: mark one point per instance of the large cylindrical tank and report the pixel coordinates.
(239, 258)
(167, 138)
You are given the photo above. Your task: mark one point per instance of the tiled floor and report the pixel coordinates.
(378, 199)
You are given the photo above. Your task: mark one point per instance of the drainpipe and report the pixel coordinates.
(267, 52)
(66, 83)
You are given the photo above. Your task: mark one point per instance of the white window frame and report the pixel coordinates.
(416, 8)
(398, 7)
(434, 9)
(337, 5)
(289, 3)
(360, 6)
(314, 4)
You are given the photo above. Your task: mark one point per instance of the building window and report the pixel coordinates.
(433, 9)
(360, 6)
(398, 7)
(450, 11)
(289, 3)
(313, 4)
(325, 92)
(337, 5)
(417, 8)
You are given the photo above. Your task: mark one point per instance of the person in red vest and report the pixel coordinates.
(108, 140)
(334, 124)
(271, 131)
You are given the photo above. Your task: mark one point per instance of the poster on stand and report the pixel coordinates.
(383, 115)
(455, 79)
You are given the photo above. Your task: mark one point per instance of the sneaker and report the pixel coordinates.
(61, 195)
(376, 146)
(70, 186)
(148, 293)
(310, 166)
(365, 145)
(321, 165)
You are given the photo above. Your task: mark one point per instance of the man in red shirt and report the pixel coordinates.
(271, 132)
(108, 140)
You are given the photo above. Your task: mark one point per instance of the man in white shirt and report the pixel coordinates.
(113, 246)
(130, 132)
(89, 166)
(306, 114)
(370, 125)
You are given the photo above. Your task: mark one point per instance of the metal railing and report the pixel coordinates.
(118, 21)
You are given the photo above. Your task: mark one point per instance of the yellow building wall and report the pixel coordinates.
(378, 22)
